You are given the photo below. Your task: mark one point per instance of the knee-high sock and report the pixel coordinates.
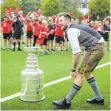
(92, 82)
(34, 42)
(14, 43)
(18, 45)
(75, 88)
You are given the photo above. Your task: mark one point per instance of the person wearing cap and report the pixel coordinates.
(79, 34)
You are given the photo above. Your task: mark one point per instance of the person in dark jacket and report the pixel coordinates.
(17, 32)
(106, 23)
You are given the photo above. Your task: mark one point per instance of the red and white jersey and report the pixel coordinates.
(59, 31)
(10, 25)
(95, 27)
(36, 30)
(44, 31)
(101, 29)
(5, 27)
(29, 25)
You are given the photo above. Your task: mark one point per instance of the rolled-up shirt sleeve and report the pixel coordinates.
(73, 35)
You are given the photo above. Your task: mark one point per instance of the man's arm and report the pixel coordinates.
(73, 35)
(75, 60)
(108, 17)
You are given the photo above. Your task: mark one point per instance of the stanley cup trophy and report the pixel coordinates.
(32, 78)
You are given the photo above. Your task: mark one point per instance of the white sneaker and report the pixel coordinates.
(12, 46)
(17, 46)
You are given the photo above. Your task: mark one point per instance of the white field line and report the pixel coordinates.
(48, 84)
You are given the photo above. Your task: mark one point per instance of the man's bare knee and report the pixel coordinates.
(80, 76)
(79, 79)
(88, 76)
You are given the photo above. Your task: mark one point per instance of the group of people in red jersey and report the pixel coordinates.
(43, 31)
(39, 30)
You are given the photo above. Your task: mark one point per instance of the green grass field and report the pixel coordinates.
(55, 67)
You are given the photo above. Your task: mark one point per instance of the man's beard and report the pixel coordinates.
(64, 27)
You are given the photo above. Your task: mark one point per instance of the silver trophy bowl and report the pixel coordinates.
(31, 50)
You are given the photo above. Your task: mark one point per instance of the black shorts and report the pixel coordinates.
(17, 35)
(106, 37)
(35, 38)
(59, 39)
(51, 37)
(29, 34)
(10, 34)
(22, 32)
(6, 35)
(66, 38)
(45, 41)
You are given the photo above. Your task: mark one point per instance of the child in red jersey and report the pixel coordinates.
(36, 31)
(29, 31)
(100, 27)
(51, 34)
(95, 26)
(59, 36)
(43, 37)
(6, 31)
(10, 40)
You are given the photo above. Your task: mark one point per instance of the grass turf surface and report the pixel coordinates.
(55, 67)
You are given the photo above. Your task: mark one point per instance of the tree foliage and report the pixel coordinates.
(30, 5)
(9, 4)
(50, 7)
(69, 5)
(99, 8)
(53, 7)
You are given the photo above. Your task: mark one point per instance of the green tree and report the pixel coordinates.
(30, 5)
(53, 7)
(69, 5)
(77, 14)
(50, 7)
(99, 8)
(9, 4)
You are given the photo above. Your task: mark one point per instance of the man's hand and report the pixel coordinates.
(73, 74)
